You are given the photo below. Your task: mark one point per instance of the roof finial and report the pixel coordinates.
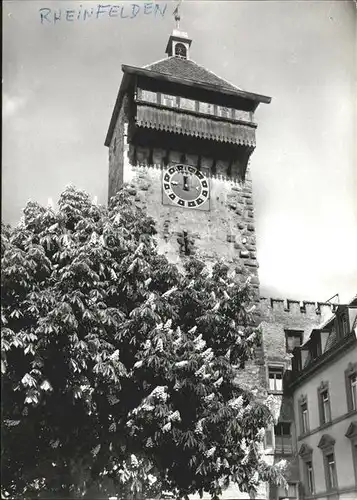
(176, 14)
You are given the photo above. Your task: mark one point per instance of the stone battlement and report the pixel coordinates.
(305, 308)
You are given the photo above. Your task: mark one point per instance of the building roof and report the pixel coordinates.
(186, 73)
(189, 70)
(335, 344)
(331, 339)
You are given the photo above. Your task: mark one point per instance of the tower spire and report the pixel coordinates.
(177, 15)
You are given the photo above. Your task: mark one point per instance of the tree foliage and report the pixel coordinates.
(116, 367)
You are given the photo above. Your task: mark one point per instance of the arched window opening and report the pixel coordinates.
(180, 50)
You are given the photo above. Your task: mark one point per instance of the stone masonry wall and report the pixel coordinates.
(116, 154)
(277, 315)
(225, 231)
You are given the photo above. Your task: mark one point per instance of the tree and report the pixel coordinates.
(117, 368)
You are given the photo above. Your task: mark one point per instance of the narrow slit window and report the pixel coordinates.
(186, 244)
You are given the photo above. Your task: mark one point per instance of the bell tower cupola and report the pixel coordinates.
(179, 43)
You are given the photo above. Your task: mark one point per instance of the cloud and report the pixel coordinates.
(11, 105)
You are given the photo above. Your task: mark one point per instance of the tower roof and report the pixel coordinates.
(179, 70)
(187, 69)
(185, 73)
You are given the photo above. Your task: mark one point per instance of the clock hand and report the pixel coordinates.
(174, 183)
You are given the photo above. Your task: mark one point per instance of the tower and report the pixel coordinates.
(182, 137)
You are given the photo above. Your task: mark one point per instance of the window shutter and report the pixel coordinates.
(319, 399)
(329, 407)
(348, 391)
(301, 426)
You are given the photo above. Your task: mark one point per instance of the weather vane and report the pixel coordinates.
(176, 14)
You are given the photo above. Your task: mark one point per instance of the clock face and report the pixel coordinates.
(186, 186)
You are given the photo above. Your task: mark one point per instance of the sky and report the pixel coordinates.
(60, 81)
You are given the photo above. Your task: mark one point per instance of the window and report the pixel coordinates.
(186, 243)
(342, 322)
(275, 379)
(146, 95)
(330, 468)
(180, 50)
(287, 493)
(206, 108)
(310, 482)
(268, 440)
(354, 458)
(224, 111)
(324, 404)
(296, 364)
(283, 441)
(304, 415)
(351, 386)
(315, 347)
(304, 419)
(169, 100)
(305, 453)
(293, 339)
(344, 325)
(188, 104)
(243, 115)
(187, 249)
(351, 434)
(327, 444)
(325, 401)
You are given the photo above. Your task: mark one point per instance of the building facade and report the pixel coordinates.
(181, 137)
(323, 387)
(285, 324)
